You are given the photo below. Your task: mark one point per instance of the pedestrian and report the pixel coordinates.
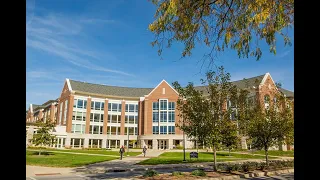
(121, 151)
(144, 151)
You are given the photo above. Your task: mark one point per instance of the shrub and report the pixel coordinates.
(179, 147)
(198, 172)
(177, 173)
(262, 166)
(249, 166)
(150, 173)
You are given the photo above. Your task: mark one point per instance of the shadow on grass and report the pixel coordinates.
(44, 153)
(218, 153)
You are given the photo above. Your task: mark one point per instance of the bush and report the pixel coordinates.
(179, 147)
(198, 172)
(262, 166)
(150, 173)
(249, 166)
(177, 173)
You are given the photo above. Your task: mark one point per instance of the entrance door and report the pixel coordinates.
(162, 144)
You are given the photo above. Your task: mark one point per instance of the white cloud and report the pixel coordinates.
(50, 34)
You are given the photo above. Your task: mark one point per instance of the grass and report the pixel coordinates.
(177, 157)
(277, 153)
(105, 152)
(52, 159)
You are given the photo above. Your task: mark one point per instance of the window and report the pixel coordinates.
(65, 112)
(171, 130)
(95, 129)
(163, 129)
(95, 117)
(155, 129)
(136, 108)
(95, 143)
(135, 131)
(171, 106)
(113, 130)
(155, 117)
(163, 116)
(114, 118)
(79, 116)
(97, 105)
(171, 117)
(78, 128)
(130, 108)
(155, 106)
(163, 104)
(79, 103)
(233, 115)
(131, 130)
(115, 107)
(77, 143)
(266, 99)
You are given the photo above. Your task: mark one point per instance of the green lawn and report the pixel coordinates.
(106, 152)
(52, 159)
(277, 153)
(177, 157)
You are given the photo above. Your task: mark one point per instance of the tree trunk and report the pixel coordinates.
(266, 152)
(39, 151)
(215, 158)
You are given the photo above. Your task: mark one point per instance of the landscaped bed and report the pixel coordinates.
(230, 169)
(177, 157)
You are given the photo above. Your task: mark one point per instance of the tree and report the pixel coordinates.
(270, 125)
(43, 136)
(236, 24)
(205, 111)
(229, 134)
(192, 108)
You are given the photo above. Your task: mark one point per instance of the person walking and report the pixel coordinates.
(144, 151)
(121, 151)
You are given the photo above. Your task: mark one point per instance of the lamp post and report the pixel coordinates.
(184, 144)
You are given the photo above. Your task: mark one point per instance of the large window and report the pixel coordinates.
(163, 104)
(155, 129)
(97, 105)
(131, 131)
(79, 103)
(163, 129)
(96, 117)
(171, 130)
(155, 106)
(77, 143)
(130, 119)
(78, 128)
(115, 107)
(96, 129)
(131, 108)
(95, 143)
(114, 130)
(155, 117)
(112, 118)
(171, 106)
(79, 116)
(171, 117)
(163, 116)
(65, 112)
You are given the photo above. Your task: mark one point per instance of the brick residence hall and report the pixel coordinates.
(100, 116)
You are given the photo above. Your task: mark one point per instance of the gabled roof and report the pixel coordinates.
(241, 84)
(141, 92)
(288, 93)
(108, 90)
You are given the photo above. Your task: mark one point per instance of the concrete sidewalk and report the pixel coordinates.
(38, 170)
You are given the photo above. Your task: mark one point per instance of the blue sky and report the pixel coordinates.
(107, 42)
